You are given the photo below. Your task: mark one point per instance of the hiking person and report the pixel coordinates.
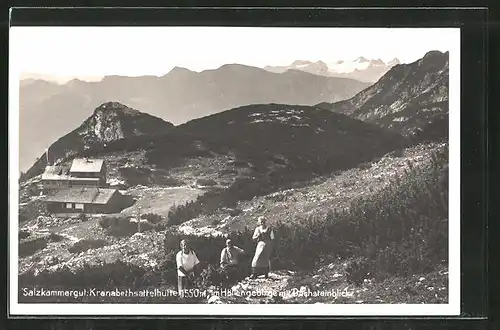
(230, 255)
(186, 265)
(264, 236)
(230, 258)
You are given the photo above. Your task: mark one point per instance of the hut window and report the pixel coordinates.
(69, 205)
(79, 206)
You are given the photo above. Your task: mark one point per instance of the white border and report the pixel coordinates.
(452, 308)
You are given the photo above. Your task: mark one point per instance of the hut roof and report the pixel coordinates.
(84, 195)
(87, 165)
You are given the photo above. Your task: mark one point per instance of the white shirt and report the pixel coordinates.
(187, 261)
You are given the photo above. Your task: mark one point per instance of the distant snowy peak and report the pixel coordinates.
(394, 62)
(377, 62)
(340, 66)
(359, 64)
(360, 68)
(300, 62)
(361, 59)
(348, 66)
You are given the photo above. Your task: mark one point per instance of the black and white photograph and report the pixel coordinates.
(234, 171)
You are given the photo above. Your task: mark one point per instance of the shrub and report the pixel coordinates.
(221, 277)
(163, 179)
(135, 176)
(32, 210)
(54, 237)
(29, 247)
(124, 227)
(436, 130)
(107, 221)
(364, 166)
(82, 217)
(205, 182)
(241, 189)
(239, 163)
(24, 234)
(209, 276)
(228, 171)
(87, 244)
(109, 275)
(403, 228)
(146, 226)
(152, 217)
(233, 211)
(160, 227)
(358, 270)
(23, 218)
(182, 213)
(396, 153)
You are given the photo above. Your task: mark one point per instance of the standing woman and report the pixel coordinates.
(264, 236)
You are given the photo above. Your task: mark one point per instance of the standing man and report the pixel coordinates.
(186, 263)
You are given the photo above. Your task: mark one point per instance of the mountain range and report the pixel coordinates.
(177, 97)
(406, 99)
(361, 68)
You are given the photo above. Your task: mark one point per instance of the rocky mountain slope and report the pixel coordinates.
(406, 99)
(88, 250)
(320, 196)
(110, 122)
(360, 69)
(177, 97)
(277, 143)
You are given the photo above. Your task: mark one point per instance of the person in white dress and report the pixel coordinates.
(264, 236)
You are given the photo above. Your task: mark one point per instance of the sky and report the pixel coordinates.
(93, 52)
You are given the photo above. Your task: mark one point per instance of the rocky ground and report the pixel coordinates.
(137, 249)
(328, 285)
